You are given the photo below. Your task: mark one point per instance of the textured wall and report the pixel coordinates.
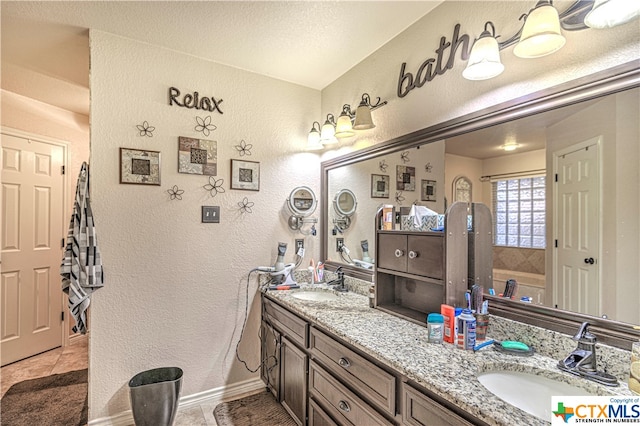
(175, 288)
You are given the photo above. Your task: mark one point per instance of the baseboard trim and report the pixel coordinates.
(211, 396)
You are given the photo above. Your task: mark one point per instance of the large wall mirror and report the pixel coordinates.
(588, 128)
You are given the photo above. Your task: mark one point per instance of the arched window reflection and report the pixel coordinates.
(462, 189)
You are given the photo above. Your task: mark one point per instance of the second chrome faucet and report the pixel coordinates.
(583, 361)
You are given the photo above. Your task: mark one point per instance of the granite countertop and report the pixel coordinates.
(443, 369)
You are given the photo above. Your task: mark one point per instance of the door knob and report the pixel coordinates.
(413, 254)
(589, 260)
(399, 253)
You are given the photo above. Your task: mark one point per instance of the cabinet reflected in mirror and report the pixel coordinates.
(597, 138)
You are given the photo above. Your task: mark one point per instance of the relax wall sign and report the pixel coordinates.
(193, 100)
(433, 67)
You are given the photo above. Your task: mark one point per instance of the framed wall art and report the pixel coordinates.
(380, 186)
(139, 166)
(428, 191)
(197, 156)
(245, 175)
(405, 178)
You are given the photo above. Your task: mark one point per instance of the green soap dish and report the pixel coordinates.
(514, 348)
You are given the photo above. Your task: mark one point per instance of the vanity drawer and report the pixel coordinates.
(420, 410)
(368, 379)
(318, 417)
(295, 328)
(340, 402)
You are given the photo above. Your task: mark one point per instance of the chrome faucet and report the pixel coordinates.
(583, 361)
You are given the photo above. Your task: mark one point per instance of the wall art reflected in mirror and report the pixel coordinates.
(572, 244)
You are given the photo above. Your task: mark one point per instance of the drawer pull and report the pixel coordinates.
(344, 406)
(344, 362)
(413, 254)
(399, 253)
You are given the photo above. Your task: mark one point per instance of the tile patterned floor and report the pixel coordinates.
(56, 361)
(75, 357)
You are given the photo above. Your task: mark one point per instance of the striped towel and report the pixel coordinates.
(81, 267)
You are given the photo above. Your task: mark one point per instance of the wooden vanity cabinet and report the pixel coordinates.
(321, 380)
(293, 380)
(318, 417)
(422, 408)
(292, 333)
(371, 381)
(270, 356)
(345, 406)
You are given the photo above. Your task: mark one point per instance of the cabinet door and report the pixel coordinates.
(270, 355)
(392, 252)
(293, 381)
(426, 255)
(420, 410)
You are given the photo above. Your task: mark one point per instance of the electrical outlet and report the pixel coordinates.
(299, 244)
(339, 243)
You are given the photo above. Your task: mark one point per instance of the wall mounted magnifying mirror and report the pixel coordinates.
(302, 202)
(344, 204)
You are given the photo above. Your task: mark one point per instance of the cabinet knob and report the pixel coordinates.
(344, 406)
(413, 254)
(399, 253)
(344, 362)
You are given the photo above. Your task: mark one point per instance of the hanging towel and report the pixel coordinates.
(81, 267)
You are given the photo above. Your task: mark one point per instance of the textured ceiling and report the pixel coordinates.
(45, 48)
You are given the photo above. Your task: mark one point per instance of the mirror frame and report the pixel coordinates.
(616, 79)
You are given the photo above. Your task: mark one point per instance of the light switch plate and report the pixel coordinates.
(210, 214)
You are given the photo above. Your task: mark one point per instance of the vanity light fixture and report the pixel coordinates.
(344, 126)
(541, 34)
(313, 141)
(347, 123)
(610, 13)
(328, 132)
(363, 120)
(484, 60)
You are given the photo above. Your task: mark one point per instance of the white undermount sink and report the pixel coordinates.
(316, 296)
(529, 392)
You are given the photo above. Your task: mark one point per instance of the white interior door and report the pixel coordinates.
(31, 236)
(577, 228)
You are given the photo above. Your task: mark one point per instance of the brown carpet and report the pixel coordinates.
(260, 409)
(60, 399)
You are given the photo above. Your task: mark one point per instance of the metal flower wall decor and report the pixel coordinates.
(399, 197)
(245, 205)
(383, 166)
(145, 129)
(214, 186)
(404, 156)
(244, 148)
(204, 125)
(428, 167)
(175, 193)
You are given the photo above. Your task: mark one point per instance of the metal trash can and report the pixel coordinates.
(154, 396)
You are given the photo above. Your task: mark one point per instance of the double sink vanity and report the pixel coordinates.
(330, 359)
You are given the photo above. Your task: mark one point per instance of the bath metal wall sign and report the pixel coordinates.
(193, 100)
(433, 67)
